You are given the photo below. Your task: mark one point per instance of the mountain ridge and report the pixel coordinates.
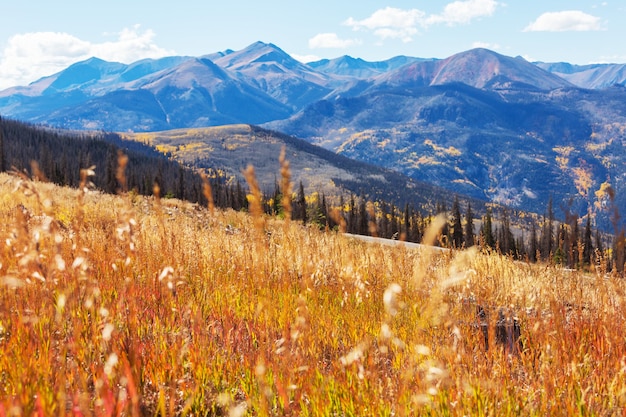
(478, 122)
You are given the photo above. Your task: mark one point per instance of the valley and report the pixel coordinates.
(266, 301)
(312, 209)
(479, 124)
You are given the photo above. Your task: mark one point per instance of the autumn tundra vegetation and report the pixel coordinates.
(123, 304)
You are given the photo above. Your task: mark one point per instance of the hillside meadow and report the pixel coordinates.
(127, 305)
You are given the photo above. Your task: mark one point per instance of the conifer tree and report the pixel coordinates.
(487, 231)
(587, 243)
(574, 242)
(445, 230)
(394, 231)
(383, 227)
(352, 221)
(328, 221)
(547, 236)
(417, 227)
(457, 227)
(534, 244)
(317, 213)
(599, 246)
(301, 204)
(469, 226)
(407, 223)
(619, 251)
(180, 192)
(362, 221)
(520, 246)
(507, 242)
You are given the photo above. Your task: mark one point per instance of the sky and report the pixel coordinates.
(41, 37)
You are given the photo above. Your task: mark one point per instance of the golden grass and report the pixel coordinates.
(124, 305)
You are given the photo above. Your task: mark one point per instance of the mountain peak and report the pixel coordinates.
(255, 53)
(262, 45)
(347, 65)
(86, 72)
(91, 61)
(481, 67)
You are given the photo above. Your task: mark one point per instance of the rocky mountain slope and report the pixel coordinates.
(593, 76)
(488, 144)
(230, 149)
(479, 123)
(482, 124)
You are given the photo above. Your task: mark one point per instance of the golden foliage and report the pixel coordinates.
(563, 155)
(122, 305)
(583, 180)
(441, 151)
(604, 195)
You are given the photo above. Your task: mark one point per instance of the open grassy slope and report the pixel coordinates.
(125, 305)
(230, 149)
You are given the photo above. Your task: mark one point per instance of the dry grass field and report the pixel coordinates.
(131, 306)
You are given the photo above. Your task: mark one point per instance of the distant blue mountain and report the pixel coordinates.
(479, 123)
(594, 76)
(357, 67)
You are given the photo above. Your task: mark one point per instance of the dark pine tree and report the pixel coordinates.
(383, 227)
(507, 241)
(444, 239)
(394, 223)
(599, 245)
(300, 209)
(362, 219)
(547, 233)
(407, 223)
(575, 242)
(330, 223)
(457, 226)
(534, 244)
(587, 243)
(180, 192)
(417, 224)
(619, 251)
(352, 220)
(469, 226)
(520, 245)
(487, 231)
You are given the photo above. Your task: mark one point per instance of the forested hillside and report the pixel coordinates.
(59, 156)
(478, 123)
(121, 165)
(137, 306)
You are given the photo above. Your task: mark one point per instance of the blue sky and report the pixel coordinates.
(41, 37)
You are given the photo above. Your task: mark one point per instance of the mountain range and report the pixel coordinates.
(479, 123)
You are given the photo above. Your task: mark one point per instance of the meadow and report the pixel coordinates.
(123, 305)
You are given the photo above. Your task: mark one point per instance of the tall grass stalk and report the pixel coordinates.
(128, 305)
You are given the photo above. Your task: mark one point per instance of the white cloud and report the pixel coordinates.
(393, 23)
(30, 56)
(331, 40)
(388, 17)
(390, 23)
(463, 12)
(564, 21)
